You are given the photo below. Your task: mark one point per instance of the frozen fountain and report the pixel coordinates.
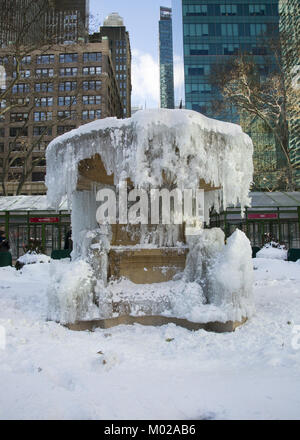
(151, 273)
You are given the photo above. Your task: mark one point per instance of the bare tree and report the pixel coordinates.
(262, 92)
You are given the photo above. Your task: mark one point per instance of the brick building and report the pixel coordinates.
(59, 89)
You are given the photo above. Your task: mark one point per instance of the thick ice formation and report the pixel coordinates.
(182, 145)
(215, 286)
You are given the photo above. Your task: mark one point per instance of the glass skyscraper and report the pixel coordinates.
(166, 59)
(215, 30)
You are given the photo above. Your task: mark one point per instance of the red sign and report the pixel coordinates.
(44, 220)
(262, 216)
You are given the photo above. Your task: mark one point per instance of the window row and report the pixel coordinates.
(230, 9)
(198, 88)
(66, 71)
(223, 49)
(197, 70)
(68, 58)
(227, 29)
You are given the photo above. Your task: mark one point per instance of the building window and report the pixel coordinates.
(92, 56)
(43, 87)
(21, 88)
(198, 88)
(61, 129)
(91, 114)
(18, 117)
(40, 146)
(18, 131)
(40, 161)
(38, 177)
(46, 101)
(257, 9)
(91, 100)
(229, 30)
(18, 162)
(68, 71)
(25, 60)
(195, 10)
(68, 58)
(1, 148)
(40, 73)
(45, 59)
(230, 49)
(42, 130)
(197, 49)
(42, 116)
(2, 132)
(91, 85)
(198, 70)
(66, 100)
(22, 74)
(92, 70)
(67, 86)
(257, 29)
(228, 9)
(66, 114)
(16, 146)
(259, 50)
(196, 30)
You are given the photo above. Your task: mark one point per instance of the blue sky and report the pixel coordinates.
(141, 20)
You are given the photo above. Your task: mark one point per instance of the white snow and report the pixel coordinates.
(182, 145)
(33, 257)
(269, 251)
(50, 372)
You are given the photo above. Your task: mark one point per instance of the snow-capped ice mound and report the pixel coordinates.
(180, 145)
(33, 258)
(274, 253)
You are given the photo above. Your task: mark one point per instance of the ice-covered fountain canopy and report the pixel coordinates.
(181, 146)
(120, 272)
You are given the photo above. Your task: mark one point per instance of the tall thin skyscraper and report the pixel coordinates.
(115, 31)
(166, 59)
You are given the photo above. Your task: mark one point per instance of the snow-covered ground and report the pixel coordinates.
(49, 372)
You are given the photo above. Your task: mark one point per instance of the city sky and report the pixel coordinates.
(141, 20)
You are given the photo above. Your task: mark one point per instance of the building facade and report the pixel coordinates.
(68, 21)
(213, 33)
(59, 90)
(115, 31)
(43, 21)
(166, 63)
(290, 31)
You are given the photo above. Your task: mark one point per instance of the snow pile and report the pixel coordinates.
(33, 258)
(180, 146)
(70, 292)
(273, 252)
